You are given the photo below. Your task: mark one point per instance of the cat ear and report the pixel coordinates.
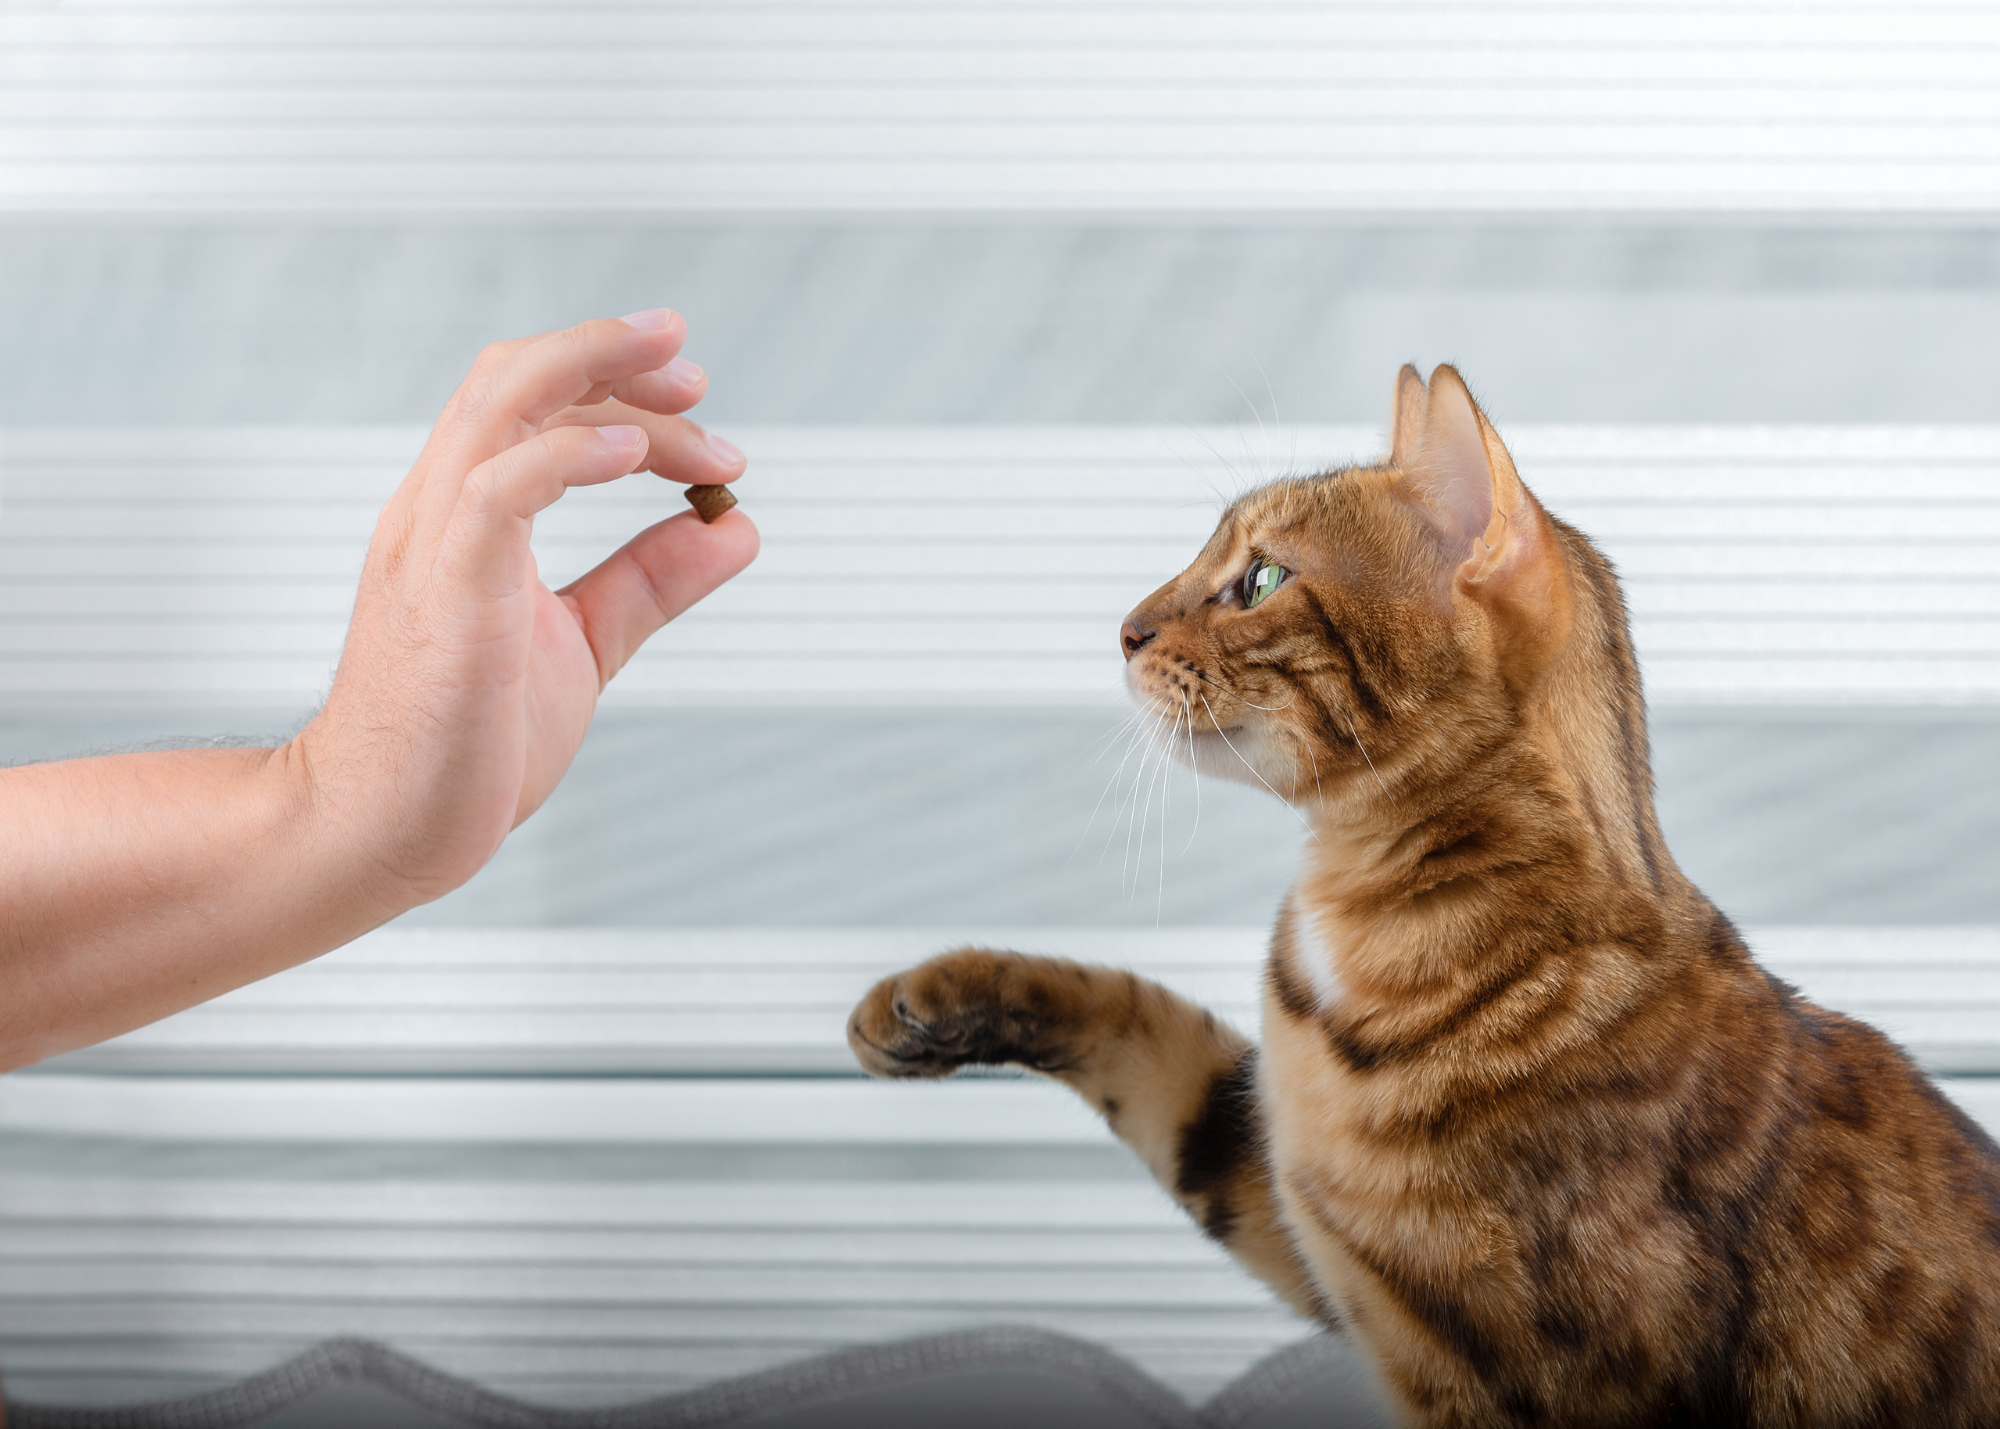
(1446, 467)
(1504, 550)
(1406, 417)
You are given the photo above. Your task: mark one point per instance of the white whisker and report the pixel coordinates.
(1194, 763)
(1145, 815)
(1131, 729)
(1253, 769)
(1371, 763)
(1207, 479)
(1243, 485)
(1132, 823)
(1314, 759)
(1101, 746)
(1166, 813)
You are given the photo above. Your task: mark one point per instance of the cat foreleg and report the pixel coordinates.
(1176, 1085)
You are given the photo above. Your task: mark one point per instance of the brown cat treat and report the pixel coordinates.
(710, 502)
(1528, 1120)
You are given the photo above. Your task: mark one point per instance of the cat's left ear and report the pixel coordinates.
(1502, 550)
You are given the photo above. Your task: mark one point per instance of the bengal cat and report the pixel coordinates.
(1527, 1118)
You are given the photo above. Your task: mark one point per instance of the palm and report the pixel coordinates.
(561, 695)
(467, 685)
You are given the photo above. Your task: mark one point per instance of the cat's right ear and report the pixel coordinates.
(1406, 421)
(1500, 549)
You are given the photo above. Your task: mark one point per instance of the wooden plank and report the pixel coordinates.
(749, 1000)
(1675, 105)
(994, 565)
(816, 1111)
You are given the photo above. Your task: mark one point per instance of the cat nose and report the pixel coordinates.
(1134, 639)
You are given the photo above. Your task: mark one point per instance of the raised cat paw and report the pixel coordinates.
(970, 1006)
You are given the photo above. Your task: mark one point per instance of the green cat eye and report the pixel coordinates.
(1263, 578)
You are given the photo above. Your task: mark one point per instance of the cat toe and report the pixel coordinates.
(889, 1039)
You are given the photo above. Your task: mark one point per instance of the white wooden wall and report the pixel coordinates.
(584, 1166)
(1778, 566)
(775, 1001)
(116, 106)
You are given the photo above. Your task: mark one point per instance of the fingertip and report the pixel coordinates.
(728, 456)
(666, 391)
(745, 532)
(653, 319)
(647, 341)
(730, 536)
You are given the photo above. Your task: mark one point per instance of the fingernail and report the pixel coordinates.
(651, 318)
(623, 437)
(730, 453)
(685, 371)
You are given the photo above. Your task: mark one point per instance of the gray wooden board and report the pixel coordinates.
(747, 1000)
(982, 566)
(583, 1274)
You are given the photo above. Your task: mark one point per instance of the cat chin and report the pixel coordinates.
(1240, 754)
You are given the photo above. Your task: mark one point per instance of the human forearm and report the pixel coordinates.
(132, 887)
(136, 885)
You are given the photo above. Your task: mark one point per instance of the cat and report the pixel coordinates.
(1526, 1120)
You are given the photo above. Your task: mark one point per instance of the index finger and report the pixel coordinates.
(514, 386)
(526, 380)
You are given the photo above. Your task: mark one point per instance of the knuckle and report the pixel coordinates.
(474, 399)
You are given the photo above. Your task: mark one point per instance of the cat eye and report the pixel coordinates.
(1261, 579)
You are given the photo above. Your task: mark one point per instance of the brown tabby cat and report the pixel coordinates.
(1527, 1117)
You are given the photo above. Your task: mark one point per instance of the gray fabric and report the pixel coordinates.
(988, 1377)
(913, 319)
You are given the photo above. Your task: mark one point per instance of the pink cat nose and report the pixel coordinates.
(1133, 638)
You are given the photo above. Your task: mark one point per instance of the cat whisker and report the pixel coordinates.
(1161, 752)
(1221, 498)
(1243, 484)
(1291, 461)
(1101, 746)
(1132, 824)
(1194, 763)
(1371, 763)
(1253, 769)
(1238, 697)
(1166, 807)
(1132, 728)
(1263, 437)
(1314, 760)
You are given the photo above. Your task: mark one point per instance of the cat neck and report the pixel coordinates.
(1548, 825)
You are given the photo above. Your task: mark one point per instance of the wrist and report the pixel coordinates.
(341, 843)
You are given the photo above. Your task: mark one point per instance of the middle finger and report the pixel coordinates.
(676, 448)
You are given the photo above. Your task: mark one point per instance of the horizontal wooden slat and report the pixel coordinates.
(128, 1242)
(125, 1193)
(992, 635)
(165, 1233)
(701, 1110)
(1764, 565)
(1005, 104)
(777, 1000)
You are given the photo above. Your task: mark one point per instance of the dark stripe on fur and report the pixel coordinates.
(1423, 1300)
(1364, 693)
(1219, 1144)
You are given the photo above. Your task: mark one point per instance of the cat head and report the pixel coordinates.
(1337, 625)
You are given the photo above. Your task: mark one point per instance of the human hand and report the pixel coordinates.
(466, 685)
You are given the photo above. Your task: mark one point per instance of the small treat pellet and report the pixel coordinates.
(710, 502)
